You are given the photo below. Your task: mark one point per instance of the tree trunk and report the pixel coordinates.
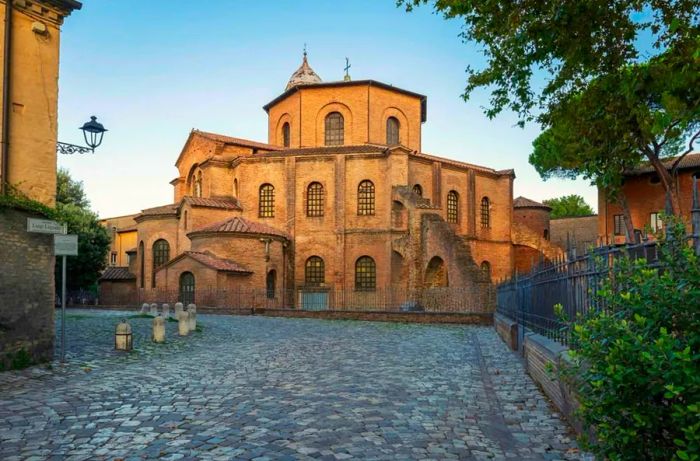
(667, 181)
(629, 225)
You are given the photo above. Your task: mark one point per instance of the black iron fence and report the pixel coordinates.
(571, 284)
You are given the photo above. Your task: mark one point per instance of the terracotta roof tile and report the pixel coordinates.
(215, 262)
(117, 273)
(523, 202)
(241, 226)
(350, 149)
(237, 141)
(689, 161)
(462, 164)
(208, 202)
(160, 210)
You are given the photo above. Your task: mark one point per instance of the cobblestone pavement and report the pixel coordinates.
(264, 388)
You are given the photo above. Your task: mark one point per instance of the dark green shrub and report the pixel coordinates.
(636, 364)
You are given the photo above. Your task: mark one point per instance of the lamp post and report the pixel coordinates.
(93, 131)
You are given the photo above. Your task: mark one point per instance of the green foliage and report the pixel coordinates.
(568, 206)
(16, 200)
(636, 364)
(16, 361)
(93, 238)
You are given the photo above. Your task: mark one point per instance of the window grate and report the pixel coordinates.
(365, 274)
(266, 205)
(452, 207)
(314, 199)
(335, 129)
(314, 271)
(485, 213)
(365, 198)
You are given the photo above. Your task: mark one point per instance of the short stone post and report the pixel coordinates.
(183, 323)
(166, 311)
(159, 329)
(123, 339)
(154, 309)
(144, 308)
(178, 309)
(192, 312)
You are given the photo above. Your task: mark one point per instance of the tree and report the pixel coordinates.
(564, 64)
(93, 239)
(568, 206)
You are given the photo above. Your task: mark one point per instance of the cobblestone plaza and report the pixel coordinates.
(265, 388)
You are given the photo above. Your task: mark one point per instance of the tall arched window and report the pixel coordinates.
(365, 198)
(184, 220)
(314, 271)
(335, 129)
(418, 190)
(266, 202)
(286, 135)
(142, 255)
(485, 213)
(314, 199)
(161, 255)
(392, 130)
(452, 207)
(270, 283)
(365, 274)
(486, 269)
(197, 189)
(187, 288)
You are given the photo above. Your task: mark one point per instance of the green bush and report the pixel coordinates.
(636, 363)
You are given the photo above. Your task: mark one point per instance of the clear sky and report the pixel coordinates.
(151, 71)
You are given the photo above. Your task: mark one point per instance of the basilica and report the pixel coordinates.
(341, 198)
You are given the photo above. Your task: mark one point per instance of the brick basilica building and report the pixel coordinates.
(340, 199)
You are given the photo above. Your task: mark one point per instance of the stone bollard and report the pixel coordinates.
(178, 309)
(183, 323)
(192, 311)
(154, 309)
(123, 339)
(159, 330)
(144, 308)
(166, 311)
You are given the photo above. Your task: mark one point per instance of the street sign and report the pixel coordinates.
(45, 226)
(65, 245)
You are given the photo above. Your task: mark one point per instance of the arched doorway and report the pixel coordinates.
(187, 288)
(436, 273)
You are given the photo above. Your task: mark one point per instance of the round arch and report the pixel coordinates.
(436, 273)
(403, 125)
(321, 122)
(279, 137)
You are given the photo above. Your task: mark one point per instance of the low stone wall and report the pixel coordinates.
(26, 291)
(378, 316)
(507, 329)
(543, 360)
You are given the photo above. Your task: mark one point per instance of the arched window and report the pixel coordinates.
(314, 271)
(142, 255)
(314, 199)
(184, 220)
(452, 207)
(161, 255)
(486, 269)
(266, 203)
(365, 198)
(286, 135)
(197, 190)
(335, 129)
(187, 288)
(270, 283)
(392, 131)
(485, 213)
(418, 190)
(365, 274)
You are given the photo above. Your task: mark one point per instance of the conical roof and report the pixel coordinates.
(304, 75)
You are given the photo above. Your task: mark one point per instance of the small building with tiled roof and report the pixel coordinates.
(340, 197)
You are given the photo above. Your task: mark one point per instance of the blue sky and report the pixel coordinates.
(152, 71)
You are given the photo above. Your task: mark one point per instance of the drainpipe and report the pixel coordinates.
(4, 142)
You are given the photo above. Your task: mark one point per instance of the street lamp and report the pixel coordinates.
(93, 131)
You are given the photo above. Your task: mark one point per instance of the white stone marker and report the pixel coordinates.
(166, 311)
(159, 330)
(192, 311)
(154, 309)
(144, 308)
(178, 309)
(183, 323)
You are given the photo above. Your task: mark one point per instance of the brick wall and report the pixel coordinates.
(579, 232)
(26, 289)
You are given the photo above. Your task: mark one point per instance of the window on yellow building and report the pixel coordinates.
(266, 202)
(365, 198)
(286, 135)
(314, 271)
(392, 131)
(335, 129)
(113, 259)
(314, 199)
(485, 213)
(452, 207)
(365, 274)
